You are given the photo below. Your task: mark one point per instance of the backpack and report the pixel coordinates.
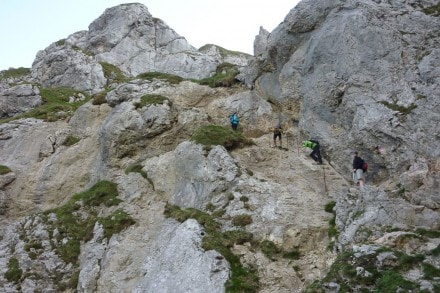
(234, 119)
(365, 166)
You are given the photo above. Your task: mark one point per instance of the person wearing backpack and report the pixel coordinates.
(358, 170)
(277, 132)
(316, 153)
(233, 119)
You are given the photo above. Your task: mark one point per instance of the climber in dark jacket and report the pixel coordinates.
(358, 172)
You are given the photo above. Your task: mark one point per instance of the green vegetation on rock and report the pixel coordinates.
(173, 79)
(433, 10)
(71, 140)
(4, 170)
(112, 73)
(150, 100)
(224, 76)
(14, 72)
(210, 135)
(75, 222)
(55, 105)
(242, 279)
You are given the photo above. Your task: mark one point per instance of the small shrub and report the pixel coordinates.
(173, 79)
(4, 170)
(210, 207)
(242, 220)
(99, 98)
(14, 273)
(293, 254)
(60, 42)
(244, 198)
(70, 140)
(70, 251)
(269, 249)
(210, 135)
(150, 100)
(329, 207)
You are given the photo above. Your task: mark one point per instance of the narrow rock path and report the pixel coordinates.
(299, 221)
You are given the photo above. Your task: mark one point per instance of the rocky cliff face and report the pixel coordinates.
(117, 193)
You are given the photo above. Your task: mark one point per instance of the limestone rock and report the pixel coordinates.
(17, 99)
(62, 65)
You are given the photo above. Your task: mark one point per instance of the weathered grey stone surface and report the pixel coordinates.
(61, 65)
(17, 99)
(363, 74)
(181, 265)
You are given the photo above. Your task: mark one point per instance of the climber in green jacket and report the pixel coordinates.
(316, 153)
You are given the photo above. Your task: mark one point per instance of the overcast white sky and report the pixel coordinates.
(27, 26)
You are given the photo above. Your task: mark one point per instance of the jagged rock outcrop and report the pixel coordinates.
(17, 99)
(129, 37)
(359, 75)
(61, 65)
